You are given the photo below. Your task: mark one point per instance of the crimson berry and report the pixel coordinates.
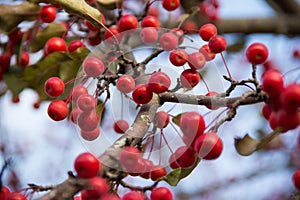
(90, 135)
(168, 41)
(209, 146)
(54, 87)
(206, 31)
(189, 78)
(94, 38)
(86, 102)
(24, 59)
(112, 31)
(217, 44)
(142, 94)
(159, 82)
(150, 21)
(55, 44)
(91, 26)
(15, 196)
(196, 60)
(87, 165)
(121, 126)
(58, 110)
(284, 120)
(163, 119)
(179, 33)
(148, 167)
(48, 14)
(138, 169)
(185, 157)
(110, 197)
(190, 27)
(149, 35)
(77, 91)
(125, 84)
(178, 57)
(157, 172)
(266, 111)
(161, 193)
(4, 192)
(272, 83)
(290, 97)
(134, 195)
(192, 125)
(88, 121)
(173, 161)
(207, 52)
(99, 186)
(211, 94)
(93, 67)
(127, 22)
(75, 44)
(154, 11)
(170, 5)
(296, 179)
(257, 53)
(129, 156)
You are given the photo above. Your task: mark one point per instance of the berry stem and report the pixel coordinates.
(166, 141)
(227, 69)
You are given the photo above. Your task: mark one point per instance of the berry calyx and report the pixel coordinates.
(159, 82)
(142, 94)
(93, 67)
(121, 126)
(189, 78)
(54, 87)
(87, 165)
(257, 53)
(217, 44)
(209, 146)
(48, 14)
(161, 193)
(125, 84)
(58, 110)
(207, 31)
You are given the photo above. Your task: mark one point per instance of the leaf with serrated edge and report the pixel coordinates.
(247, 145)
(174, 177)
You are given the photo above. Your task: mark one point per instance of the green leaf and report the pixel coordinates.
(174, 177)
(14, 84)
(52, 30)
(176, 119)
(247, 145)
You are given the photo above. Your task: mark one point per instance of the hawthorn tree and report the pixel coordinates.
(150, 65)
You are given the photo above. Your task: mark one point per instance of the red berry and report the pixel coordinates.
(266, 111)
(4, 191)
(173, 161)
(127, 22)
(74, 114)
(134, 195)
(148, 167)
(129, 156)
(92, 27)
(290, 97)
(93, 67)
(88, 121)
(87, 165)
(210, 94)
(23, 61)
(55, 44)
(150, 21)
(112, 31)
(170, 5)
(154, 11)
(192, 125)
(272, 83)
(75, 44)
(185, 157)
(77, 91)
(161, 193)
(110, 197)
(149, 35)
(189, 78)
(296, 179)
(125, 84)
(157, 172)
(284, 120)
(58, 110)
(54, 87)
(15, 196)
(90, 135)
(163, 119)
(121, 126)
(142, 94)
(138, 169)
(48, 14)
(94, 38)
(190, 27)
(207, 52)
(217, 44)
(159, 82)
(196, 60)
(168, 41)
(206, 31)
(257, 53)
(178, 57)
(209, 146)
(98, 186)
(86, 102)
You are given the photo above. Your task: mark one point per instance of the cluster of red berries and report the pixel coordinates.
(209, 8)
(6, 194)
